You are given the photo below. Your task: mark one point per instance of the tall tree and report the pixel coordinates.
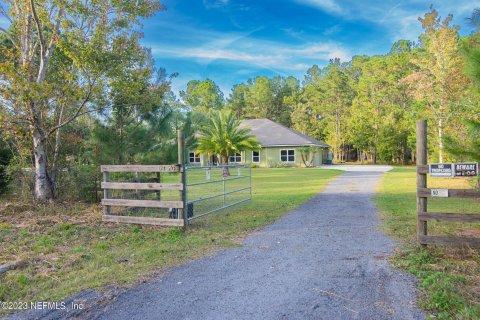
(61, 54)
(237, 100)
(469, 147)
(326, 97)
(336, 100)
(203, 96)
(439, 83)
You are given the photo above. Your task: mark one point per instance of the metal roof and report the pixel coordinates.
(272, 134)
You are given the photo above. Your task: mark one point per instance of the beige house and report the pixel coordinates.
(280, 147)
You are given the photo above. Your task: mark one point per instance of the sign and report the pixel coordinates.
(207, 172)
(440, 193)
(466, 169)
(441, 170)
(239, 171)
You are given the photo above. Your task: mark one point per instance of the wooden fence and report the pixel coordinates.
(149, 186)
(156, 187)
(423, 193)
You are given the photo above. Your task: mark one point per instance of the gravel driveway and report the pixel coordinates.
(324, 260)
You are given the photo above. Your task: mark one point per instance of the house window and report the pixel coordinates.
(256, 156)
(194, 157)
(237, 157)
(287, 155)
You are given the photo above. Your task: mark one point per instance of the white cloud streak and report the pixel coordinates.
(268, 55)
(245, 51)
(330, 6)
(399, 18)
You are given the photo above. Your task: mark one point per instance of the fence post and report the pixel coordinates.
(421, 177)
(183, 178)
(251, 191)
(106, 192)
(224, 195)
(158, 191)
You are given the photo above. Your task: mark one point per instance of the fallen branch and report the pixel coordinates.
(10, 266)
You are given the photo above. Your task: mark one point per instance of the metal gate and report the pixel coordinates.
(213, 188)
(149, 194)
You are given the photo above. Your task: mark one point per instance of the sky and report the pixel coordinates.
(230, 41)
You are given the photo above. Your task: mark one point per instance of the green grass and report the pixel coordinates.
(69, 249)
(449, 277)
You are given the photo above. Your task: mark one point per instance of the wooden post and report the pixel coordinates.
(182, 177)
(137, 192)
(106, 192)
(421, 177)
(158, 181)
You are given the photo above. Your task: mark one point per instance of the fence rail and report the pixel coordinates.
(424, 193)
(142, 189)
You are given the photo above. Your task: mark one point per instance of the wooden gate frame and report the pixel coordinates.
(423, 193)
(107, 186)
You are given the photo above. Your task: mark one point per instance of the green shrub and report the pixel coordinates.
(80, 182)
(5, 156)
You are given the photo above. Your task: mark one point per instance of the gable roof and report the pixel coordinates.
(272, 134)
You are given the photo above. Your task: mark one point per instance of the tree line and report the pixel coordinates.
(79, 90)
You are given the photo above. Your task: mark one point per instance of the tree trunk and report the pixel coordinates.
(43, 189)
(440, 140)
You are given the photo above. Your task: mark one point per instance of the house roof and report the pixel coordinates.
(272, 134)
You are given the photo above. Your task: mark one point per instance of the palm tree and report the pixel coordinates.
(222, 136)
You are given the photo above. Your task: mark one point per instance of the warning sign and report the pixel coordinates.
(441, 170)
(466, 169)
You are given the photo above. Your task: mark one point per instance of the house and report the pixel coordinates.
(280, 146)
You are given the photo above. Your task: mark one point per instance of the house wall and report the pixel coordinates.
(270, 157)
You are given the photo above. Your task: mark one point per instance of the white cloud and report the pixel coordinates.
(280, 57)
(399, 18)
(209, 4)
(333, 30)
(325, 5)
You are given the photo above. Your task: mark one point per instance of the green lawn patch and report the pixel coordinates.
(449, 277)
(69, 249)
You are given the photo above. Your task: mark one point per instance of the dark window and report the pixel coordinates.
(194, 157)
(255, 156)
(237, 157)
(287, 155)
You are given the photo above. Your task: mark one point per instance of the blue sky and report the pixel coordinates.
(230, 41)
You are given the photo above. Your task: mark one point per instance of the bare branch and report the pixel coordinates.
(9, 37)
(39, 29)
(77, 113)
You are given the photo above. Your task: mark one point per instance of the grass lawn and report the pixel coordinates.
(68, 249)
(449, 277)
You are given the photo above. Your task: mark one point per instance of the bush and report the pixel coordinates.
(79, 182)
(5, 157)
(274, 164)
